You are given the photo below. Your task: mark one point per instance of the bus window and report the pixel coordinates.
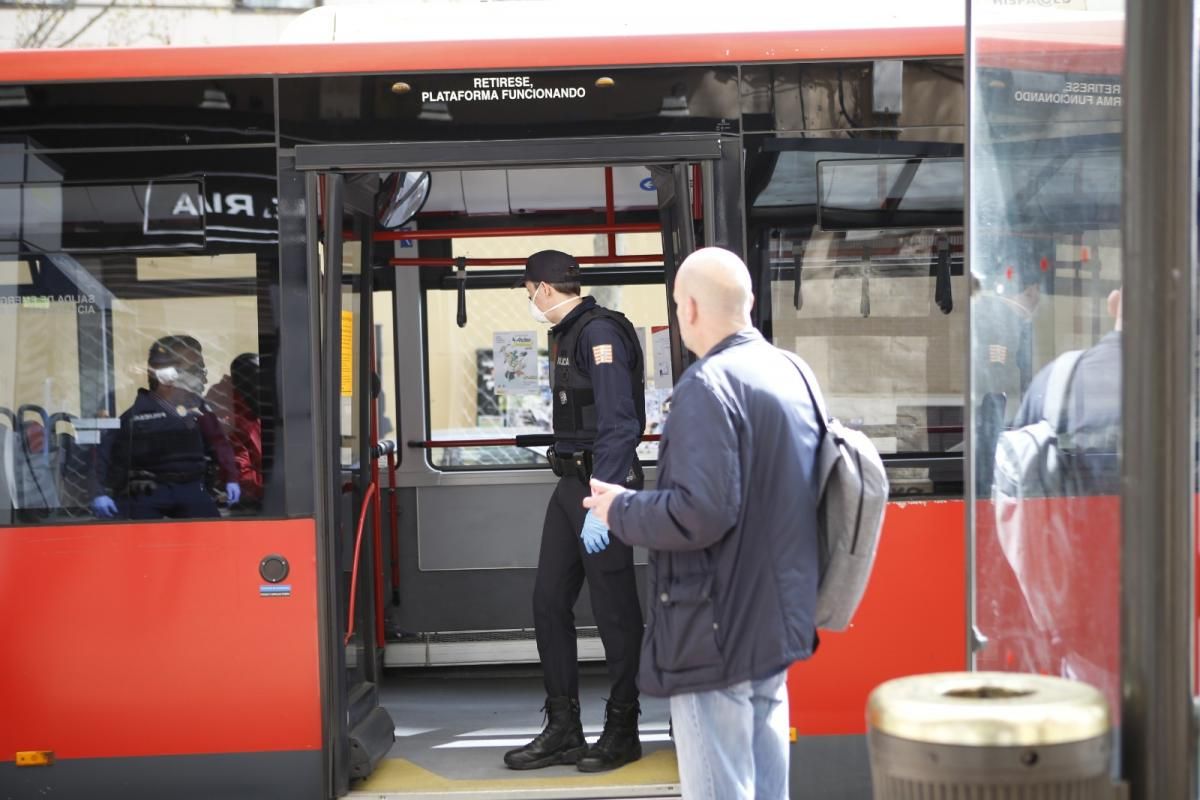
(468, 401)
(471, 398)
(913, 99)
(134, 387)
(861, 247)
(125, 407)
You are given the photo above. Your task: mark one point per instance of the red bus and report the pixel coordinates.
(349, 217)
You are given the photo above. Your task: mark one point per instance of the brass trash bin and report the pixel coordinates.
(960, 735)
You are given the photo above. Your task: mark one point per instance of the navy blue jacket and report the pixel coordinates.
(618, 427)
(155, 437)
(1093, 416)
(732, 525)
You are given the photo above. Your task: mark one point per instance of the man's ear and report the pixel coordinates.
(689, 310)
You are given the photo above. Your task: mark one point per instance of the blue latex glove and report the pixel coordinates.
(233, 492)
(594, 534)
(104, 507)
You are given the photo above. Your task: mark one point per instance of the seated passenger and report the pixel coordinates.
(234, 399)
(154, 465)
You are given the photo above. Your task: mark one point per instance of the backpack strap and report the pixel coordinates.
(818, 404)
(1062, 372)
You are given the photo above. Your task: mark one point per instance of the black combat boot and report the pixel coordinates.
(619, 743)
(561, 742)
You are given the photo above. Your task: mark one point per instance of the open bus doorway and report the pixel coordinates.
(431, 665)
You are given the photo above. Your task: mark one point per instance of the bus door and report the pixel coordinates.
(696, 180)
(358, 731)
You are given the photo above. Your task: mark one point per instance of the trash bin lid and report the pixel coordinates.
(988, 708)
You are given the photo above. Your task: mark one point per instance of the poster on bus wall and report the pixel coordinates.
(660, 336)
(515, 362)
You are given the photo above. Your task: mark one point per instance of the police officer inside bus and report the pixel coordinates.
(156, 463)
(598, 389)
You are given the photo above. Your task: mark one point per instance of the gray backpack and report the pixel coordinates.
(853, 491)
(1028, 464)
(1027, 461)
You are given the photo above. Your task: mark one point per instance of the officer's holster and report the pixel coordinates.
(578, 464)
(140, 482)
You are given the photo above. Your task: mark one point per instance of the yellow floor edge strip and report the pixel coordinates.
(398, 775)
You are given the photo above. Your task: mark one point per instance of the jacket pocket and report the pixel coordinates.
(686, 634)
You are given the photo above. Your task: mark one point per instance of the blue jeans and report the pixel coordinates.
(733, 743)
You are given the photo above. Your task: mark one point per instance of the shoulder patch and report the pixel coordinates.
(602, 354)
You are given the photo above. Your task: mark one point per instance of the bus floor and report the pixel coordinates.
(453, 727)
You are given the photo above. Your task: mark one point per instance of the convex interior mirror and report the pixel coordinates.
(401, 196)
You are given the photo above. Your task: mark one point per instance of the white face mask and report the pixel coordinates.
(539, 315)
(188, 381)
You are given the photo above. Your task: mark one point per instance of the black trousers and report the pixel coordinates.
(562, 565)
(173, 500)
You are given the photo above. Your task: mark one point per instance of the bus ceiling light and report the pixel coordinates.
(400, 87)
(14, 97)
(215, 100)
(605, 83)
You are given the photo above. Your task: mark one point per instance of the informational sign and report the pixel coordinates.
(240, 209)
(503, 88)
(660, 338)
(1074, 93)
(346, 409)
(347, 354)
(656, 409)
(515, 362)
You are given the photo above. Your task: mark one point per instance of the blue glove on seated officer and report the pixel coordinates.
(594, 534)
(104, 507)
(233, 492)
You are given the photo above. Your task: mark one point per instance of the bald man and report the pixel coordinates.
(732, 534)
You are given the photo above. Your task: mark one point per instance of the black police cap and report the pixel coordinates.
(173, 351)
(550, 266)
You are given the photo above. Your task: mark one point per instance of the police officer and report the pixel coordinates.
(155, 463)
(598, 390)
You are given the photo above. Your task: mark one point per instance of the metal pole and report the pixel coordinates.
(1157, 555)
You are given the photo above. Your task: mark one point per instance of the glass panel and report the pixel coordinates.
(132, 384)
(146, 113)
(1045, 337)
(464, 400)
(911, 99)
(862, 309)
(861, 241)
(152, 402)
(888, 193)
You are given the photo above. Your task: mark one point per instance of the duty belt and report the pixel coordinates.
(144, 481)
(578, 464)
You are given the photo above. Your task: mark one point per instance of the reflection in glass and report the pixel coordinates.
(1045, 215)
